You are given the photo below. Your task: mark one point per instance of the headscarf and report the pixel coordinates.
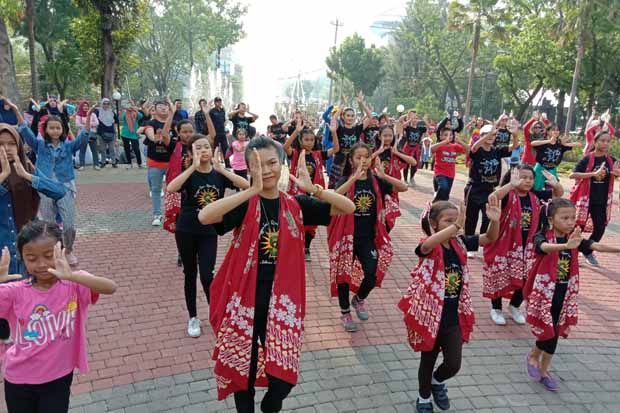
(81, 112)
(25, 198)
(106, 116)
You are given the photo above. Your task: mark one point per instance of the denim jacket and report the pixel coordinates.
(8, 229)
(54, 162)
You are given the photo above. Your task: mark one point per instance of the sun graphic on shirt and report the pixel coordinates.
(453, 282)
(269, 243)
(563, 268)
(526, 219)
(363, 202)
(310, 168)
(386, 164)
(205, 196)
(602, 177)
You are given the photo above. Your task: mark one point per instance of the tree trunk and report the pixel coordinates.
(559, 114)
(8, 84)
(109, 57)
(585, 17)
(34, 77)
(523, 106)
(472, 67)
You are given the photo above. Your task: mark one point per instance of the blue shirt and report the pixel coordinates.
(55, 162)
(8, 229)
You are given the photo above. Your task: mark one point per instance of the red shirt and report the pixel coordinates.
(445, 159)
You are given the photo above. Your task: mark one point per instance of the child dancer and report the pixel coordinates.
(446, 151)
(238, 158)
(594, 185)
(55, 160)
(552, 286)
(438, 312)
(304, 139)
(413, 131)
(392, 161)
(425, 153)
(255, 344)
(507, 261)
(360, 248)
(38, 368)
(203, 182)
(533, 130)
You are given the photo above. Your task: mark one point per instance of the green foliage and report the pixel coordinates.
(353, 61)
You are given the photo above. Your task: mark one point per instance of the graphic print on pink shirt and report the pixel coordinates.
(44, 326)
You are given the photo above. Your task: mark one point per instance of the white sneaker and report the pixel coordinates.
(150, 194)
(161, 193)
(193, 327)
(471, 254)
(156, 221)
(516, 315)
(497, 317)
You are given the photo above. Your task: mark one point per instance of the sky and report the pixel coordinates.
(285, 37)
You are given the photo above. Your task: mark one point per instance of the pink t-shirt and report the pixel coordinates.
(48, 328)
(238, 157)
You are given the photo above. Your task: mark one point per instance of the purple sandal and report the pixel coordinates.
(532, 370)
(550, 383)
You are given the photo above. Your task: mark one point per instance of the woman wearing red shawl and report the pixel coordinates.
(413, 131)
(438, 312)
(534, 129)
(303, 138)
(507, 261)
(594, 185)
(360, 248)
(552, 286)
(393, 162)
(259, 295)
(594, 127)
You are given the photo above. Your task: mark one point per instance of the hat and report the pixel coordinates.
(486, 129)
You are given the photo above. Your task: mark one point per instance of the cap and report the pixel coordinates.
(486, 129)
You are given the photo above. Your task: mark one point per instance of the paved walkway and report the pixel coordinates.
(142, 361)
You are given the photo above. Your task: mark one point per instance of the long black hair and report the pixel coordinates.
(54, 118)
(35, 230)
(306, 131)
(348, 163)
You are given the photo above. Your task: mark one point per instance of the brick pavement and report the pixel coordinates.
(142, 361)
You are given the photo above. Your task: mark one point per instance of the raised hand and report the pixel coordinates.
(218, 160)
(195, 157)
(5, 262)
(515, 179)
(62, 269)
(379, 167)
(601, 171)
(256, 171)
(360, 97)
(6, 166)
(575, 239)
(302, 180)
(21, 171)
(493, 209)
(549, 177)
(333, 124)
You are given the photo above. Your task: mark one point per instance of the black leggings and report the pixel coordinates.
(242, 173)
(5, 329)
(365, 251)
(599, 215)
(549, 346)
(277, 389)
(128, 145)
(450, 342)
(50, 397)
(196, 250)
(309, 238)
(515, 301)
(409, 172)
(475, 201)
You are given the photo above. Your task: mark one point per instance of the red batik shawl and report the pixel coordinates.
(506, 261)
(413, 151)
(233, 298)
(317, 179)
(539, 290)
(392, 207)
(423, 303)
(343, 266)
(580, 195)
(172, 200)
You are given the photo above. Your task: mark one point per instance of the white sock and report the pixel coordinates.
(434, 381)
(423, 400)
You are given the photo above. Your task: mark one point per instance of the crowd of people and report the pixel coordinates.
(346, 173)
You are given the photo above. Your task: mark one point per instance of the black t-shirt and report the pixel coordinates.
(314, 212)
(218, 116)
(550, 156)
(197, 192)
(241, 122)
(311, 164)
(158, 151)
(278, 132)
(453, 278)
(598, 186)
(348, 137)
(486, 167)
(564, 262)
(526, 216)
(145, 118)
(365, 201)
(502, 141)
(371, 137)
(386, 158)
(414, 135)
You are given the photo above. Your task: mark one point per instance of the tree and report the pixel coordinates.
(362, 66)
(34, 78)
(9, 11)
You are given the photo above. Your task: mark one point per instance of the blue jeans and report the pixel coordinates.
(156, 179)
(443, 186)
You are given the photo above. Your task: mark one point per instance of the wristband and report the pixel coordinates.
(318, 189)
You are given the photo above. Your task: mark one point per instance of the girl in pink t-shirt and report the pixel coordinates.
(47, 313)
(238, 158)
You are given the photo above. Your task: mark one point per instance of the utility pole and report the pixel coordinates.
(189, 35)
(337, 24)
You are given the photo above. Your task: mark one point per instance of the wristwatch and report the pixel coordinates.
(317, 191)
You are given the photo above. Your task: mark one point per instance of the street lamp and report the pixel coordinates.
(116, 96)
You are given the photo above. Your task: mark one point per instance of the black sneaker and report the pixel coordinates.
(592, 260)
(440, 396)
(423, 407)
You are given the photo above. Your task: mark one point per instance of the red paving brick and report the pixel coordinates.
(139, 333)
